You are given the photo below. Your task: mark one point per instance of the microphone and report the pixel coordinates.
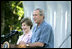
(9, 35)
(12, 33)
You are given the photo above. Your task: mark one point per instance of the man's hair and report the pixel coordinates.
(41, 12)
(27, 21)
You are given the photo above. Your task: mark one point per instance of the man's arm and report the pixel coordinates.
(36, 44)
(31, 45)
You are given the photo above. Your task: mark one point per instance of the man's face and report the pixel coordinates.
(36, 16)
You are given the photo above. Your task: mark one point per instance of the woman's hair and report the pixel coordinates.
(27, 21)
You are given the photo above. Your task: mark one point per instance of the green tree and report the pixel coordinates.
(11, 14)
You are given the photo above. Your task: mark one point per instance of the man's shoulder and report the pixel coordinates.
(47, 25)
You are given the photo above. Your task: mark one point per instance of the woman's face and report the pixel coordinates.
(25, 27)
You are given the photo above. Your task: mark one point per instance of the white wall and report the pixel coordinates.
(57, 14)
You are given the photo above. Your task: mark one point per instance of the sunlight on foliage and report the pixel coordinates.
(11, 14)
(18, 10)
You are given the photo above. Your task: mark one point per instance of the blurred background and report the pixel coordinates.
(57, 14)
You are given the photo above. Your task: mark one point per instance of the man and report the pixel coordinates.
(42, 33)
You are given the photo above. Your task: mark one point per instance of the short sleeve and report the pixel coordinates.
(45, 35)
(19, 40)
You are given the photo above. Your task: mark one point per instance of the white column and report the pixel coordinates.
(28, 8)
(68, 24)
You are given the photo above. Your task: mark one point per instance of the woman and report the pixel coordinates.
(27, 33)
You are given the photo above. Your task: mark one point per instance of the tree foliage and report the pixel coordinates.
(11, 14)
